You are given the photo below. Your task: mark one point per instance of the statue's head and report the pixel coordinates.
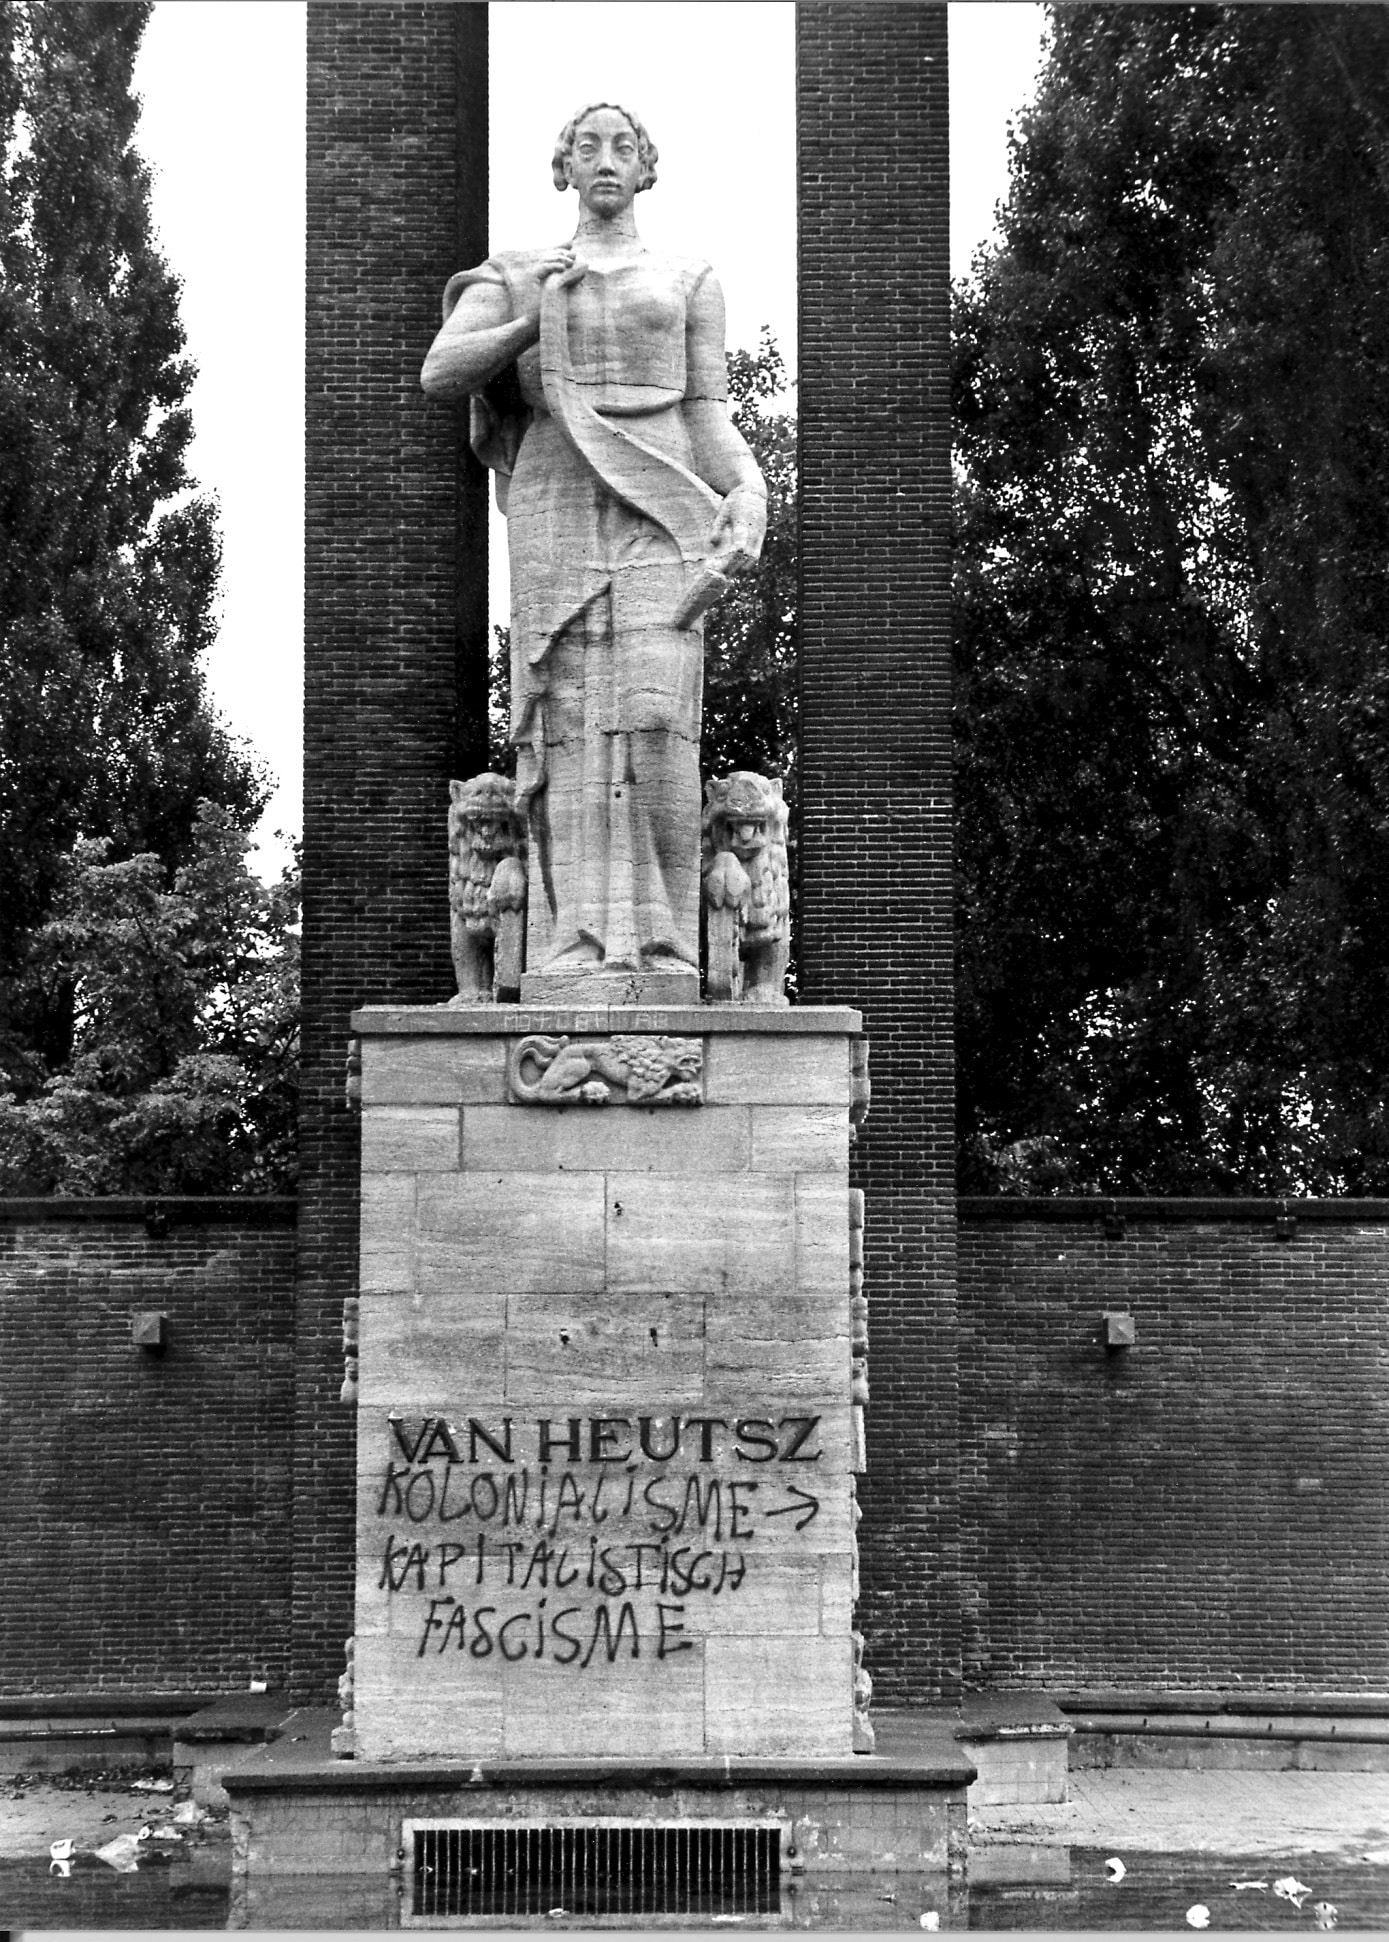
(743, 812)
(483, 813)
(564, 147)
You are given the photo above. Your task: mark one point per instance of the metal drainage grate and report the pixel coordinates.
(594, 1867)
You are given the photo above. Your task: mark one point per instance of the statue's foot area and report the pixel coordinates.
(594, 984)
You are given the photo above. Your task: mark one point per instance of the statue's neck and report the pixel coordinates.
(598, 236)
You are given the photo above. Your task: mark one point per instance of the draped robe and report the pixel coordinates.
(608, 527)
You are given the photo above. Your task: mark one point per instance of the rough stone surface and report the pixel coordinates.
(604, 1418)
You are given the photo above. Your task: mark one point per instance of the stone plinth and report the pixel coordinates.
(605, 1436)
(334, 1825)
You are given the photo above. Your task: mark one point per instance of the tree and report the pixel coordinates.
(1172, 414)
(183, 1072)
(750, 636)
(107, 566)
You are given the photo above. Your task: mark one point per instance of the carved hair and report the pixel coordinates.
(742, 796)
(647, 154)
(484, 795)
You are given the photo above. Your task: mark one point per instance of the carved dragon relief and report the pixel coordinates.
(628, 1068)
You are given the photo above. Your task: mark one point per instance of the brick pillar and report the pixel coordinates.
(875, 755)
(395, 599)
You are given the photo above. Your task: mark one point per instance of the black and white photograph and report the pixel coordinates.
(694, 966)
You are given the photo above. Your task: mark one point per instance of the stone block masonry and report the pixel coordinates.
(876, 837)
(605, 1398)
(146, 1522)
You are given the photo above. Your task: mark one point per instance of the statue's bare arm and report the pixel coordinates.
(480, 337)
(721, 454)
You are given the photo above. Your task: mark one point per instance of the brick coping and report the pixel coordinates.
(1154, 1207)
(438, 1021)
(249, 1210)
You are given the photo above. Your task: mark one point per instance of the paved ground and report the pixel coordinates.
(36, 1812)
(1229, 1812)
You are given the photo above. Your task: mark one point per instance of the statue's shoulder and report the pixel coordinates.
(688, 271)
(518, 262)
(503, 269)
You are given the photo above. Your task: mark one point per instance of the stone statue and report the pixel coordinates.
(746, 889)
(487, 888)
(598, 385)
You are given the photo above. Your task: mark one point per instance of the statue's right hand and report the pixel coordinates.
(564, 264)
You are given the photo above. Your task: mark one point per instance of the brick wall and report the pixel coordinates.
(145, 1524)
(395, 603)
(1206, 1508)
(875, 753)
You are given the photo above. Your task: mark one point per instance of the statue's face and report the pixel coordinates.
(748, 833)
(605, 165)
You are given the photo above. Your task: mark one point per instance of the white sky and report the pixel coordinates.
(223, 130)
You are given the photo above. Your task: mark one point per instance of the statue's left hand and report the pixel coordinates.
(740, 526)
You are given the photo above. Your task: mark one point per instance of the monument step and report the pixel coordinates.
(297, 1810)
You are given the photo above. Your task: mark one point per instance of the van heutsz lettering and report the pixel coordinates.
(609, 1439)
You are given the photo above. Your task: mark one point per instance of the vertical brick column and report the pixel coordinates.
(875, 753)
(397, 127)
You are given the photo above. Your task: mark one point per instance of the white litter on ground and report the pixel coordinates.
(121, 1854)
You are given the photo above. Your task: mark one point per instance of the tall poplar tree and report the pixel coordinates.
(108, 564)
(1172, 607)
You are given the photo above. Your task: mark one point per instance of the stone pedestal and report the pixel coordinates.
(605, 1424)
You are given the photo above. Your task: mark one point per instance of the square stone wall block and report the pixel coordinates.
(410, 1139)
(597, 1139)
(387, 1244)
(822, 1236)
(648, 1705)
(433, 1071)
(534, 1232)
(743, 1070)
(605, 1352)
(797, 1139)
(411, 1351)
(732, 1236)
(773, 1695)
(406, 1713)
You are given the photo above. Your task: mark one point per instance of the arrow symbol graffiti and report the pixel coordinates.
(804, 1502)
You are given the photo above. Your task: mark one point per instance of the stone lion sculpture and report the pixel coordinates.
(487, 889)
(746, 889)
(643, 1070)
